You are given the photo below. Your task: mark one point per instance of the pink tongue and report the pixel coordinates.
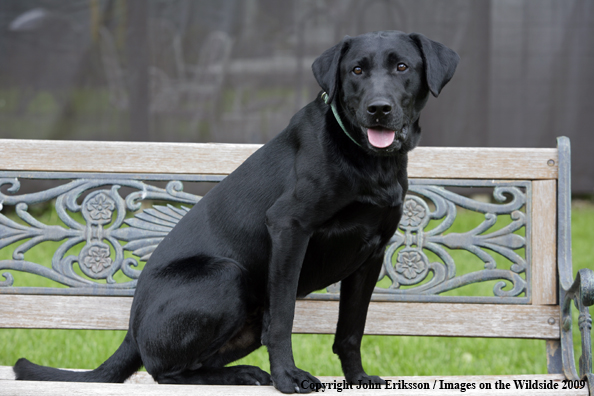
(380, 137)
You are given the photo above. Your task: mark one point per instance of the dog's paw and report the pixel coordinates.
(295, 380)
(251, 375)
(366, 379)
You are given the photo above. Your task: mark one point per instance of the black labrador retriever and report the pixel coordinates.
(314, 206)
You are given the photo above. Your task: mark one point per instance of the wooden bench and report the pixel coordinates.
(529, 187)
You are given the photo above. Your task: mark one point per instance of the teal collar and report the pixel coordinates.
(335, 112)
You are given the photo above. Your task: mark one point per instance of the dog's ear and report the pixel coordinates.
(326, 68)
(440, 62)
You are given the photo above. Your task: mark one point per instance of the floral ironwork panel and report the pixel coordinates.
(419, 260)
(105, 218)
(95, 214)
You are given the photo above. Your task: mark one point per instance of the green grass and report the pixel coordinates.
(381, 354)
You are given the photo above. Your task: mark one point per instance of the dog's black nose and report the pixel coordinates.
(379, 107)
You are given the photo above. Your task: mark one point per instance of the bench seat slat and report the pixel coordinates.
(221, 159)
(384, 318)
(143, 384)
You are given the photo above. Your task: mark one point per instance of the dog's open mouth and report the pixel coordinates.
(380, 137)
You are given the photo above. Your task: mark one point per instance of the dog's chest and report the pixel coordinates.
(338, 248)
(379, 184)
(388, 195)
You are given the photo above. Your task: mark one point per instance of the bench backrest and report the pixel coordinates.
(116, 200)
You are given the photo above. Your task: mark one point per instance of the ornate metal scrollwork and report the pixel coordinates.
(105, 233)
(407, 264)
(580, 293)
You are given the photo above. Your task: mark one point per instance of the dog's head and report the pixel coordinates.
(380, 82)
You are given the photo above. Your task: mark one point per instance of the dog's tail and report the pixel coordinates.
(121, 365)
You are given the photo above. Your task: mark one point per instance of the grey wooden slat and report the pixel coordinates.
(318, 317)
(214, 158)
(544, 242)
(27, 388)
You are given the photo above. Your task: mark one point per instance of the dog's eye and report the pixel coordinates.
(401, 67)
(357, 70)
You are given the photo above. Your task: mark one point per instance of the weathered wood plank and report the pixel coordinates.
(64, 312)
(212, 158)
(436, 384)
(384, 318)
(544, 242)
(436, 319)
(483, 163)
(122, 157)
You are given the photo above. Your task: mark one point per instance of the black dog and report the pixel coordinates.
(314, 206)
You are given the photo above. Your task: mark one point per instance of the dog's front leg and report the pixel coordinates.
(355, 294)
(289, 243)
